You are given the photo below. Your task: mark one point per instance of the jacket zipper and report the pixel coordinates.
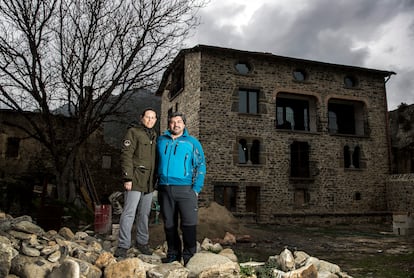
(185, 163)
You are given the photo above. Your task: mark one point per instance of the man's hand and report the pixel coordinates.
(128, 185)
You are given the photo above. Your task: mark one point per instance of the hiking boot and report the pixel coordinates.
(144, 249)
(170, 259)
(120, 252)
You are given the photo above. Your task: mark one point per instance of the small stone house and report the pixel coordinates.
(285, 139)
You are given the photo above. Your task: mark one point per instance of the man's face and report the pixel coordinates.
(149, 119)
(176, 126)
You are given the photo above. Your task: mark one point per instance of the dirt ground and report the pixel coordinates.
(345, 246)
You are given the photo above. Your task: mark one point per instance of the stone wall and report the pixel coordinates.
(400, 193)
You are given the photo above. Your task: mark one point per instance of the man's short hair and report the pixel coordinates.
(176, 114)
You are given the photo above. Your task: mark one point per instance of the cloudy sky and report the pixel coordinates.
(376, 34)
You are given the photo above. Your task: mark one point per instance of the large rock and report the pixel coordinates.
(131, 267)
(208, 262)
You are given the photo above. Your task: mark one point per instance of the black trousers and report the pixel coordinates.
(179, 203)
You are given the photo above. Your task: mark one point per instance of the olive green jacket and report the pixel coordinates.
(138, 158)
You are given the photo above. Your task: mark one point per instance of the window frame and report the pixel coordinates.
(303, 110)
(240, 65)
(249, 151)
(347, 117)
(247, 102)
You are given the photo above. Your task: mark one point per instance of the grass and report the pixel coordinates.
(387, 266)
(364, 263)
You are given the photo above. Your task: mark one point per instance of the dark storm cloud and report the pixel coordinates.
(342, 31)
(325, 30)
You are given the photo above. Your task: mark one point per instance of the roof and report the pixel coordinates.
(209, 48)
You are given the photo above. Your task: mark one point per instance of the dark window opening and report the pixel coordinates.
(292, 114)
(299, 75)
(352, 157)
(255, 152)
(350, 82)
(347, 157)
(356, 157)
(252, 199)
(13, 145)
(248, 101)
(226, 196)
(299, 159)
(248, 151)
(243, 68)
(357, 196)
(243, 151)
(341, 118)
(177, 80)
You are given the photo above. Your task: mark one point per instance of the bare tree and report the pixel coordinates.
(86, 55)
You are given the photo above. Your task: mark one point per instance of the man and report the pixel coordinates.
(138, 168)
(181, 171)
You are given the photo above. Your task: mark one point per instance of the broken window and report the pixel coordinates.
(299, 159)
(13, 145)
(226, 196)
(249, 151)
(248, 101)
(346, 117)
(295, 112)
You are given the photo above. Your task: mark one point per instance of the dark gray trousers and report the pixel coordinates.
(179, 202)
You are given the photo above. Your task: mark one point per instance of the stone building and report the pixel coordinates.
(26, 168)
(285, 139)
(400, 185)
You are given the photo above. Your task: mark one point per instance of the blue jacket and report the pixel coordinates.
(180, 161)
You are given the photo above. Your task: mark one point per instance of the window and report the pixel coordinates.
(226, 196)
(248, 101)
(243, 151)
(252, 199)
(255, 152)
(242, 68)
(299, 75)
(249, 151)
(296, 112)
(13, 145)
(346, 117)
(352, 157)
(177, 80)
(299, 159)
(350, 82)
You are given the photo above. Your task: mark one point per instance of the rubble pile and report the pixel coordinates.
(27, 251)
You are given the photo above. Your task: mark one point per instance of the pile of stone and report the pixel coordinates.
(27, 251)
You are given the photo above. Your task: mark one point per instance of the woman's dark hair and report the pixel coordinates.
(148, 109)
